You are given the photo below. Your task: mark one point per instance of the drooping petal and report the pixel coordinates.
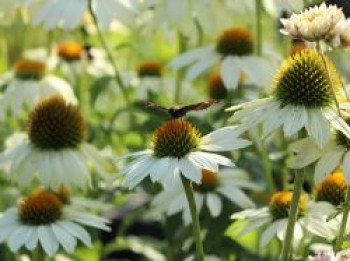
(224, 139)
(214, 204)
(303, 153)
(230, 72)
(328, 163)
(318, 127)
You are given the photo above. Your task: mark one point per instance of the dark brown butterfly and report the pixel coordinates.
(181, 111)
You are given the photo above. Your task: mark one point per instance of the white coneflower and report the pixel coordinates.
(73, 57)
(301, 97)
(274, 219)
(314, 24)
(178, 148)
(70, 14)
(228, 183)
(43, 219)
(55, 148)
(29, 83)
(328, 196)
(149, 79)
(234, 53)
(334, 153)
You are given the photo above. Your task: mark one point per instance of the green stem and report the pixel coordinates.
(180, 73)
(258, 17)
(195, 218)
(38, 254)
(84, 93)
(267, 167)
(343, 224)
(293, 216)
(110, 57)
(319, 49)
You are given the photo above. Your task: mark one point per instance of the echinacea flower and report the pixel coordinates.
(54, 147)
(234, 54)
(301, 98)
(329, 195)
(53, 13)
(228, 183)
(28, 83)
(149, 78)
(178, 148)
(42, 219)
(334, 153)
(314, 24)
(75, 58)
(274, 218)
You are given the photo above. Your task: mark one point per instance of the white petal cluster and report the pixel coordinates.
(314, 24)
(344, 32)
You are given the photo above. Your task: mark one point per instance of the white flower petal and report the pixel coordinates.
(48, 240)
(303, 153)
(254, 225)
(190, 170)
(328, 163)
(214, 204)
(18, 237)
(230, 72)
(224, 139)
(65, 239)
(269, 233)
(295, 120)
(318, 127)
(76, 231)
(237, 196)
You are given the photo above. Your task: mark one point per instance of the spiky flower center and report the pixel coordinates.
(150, 69)
(303, 80)
(29, 69)
(70, 51)
(217, 89)
(175, 138)
(54, 125)
(209, 181)
(280, 204)
(41, 208)
(332, 189)
(235, 41)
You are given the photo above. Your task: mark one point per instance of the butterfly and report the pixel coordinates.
(181, 111)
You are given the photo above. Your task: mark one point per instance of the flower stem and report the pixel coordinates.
(179, 76)
(266, 167)
(195, 218)
(344, 221)
(319, 49)
(117, 75)
(293, 216)
(258, 17)
(38, 254)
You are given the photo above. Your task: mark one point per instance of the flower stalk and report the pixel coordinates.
(110, 57)
(293, 216)
(195, 218)
(258, 17)
(344, 221)
(319, 49)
